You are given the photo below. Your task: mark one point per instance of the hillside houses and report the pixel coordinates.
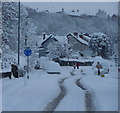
(78, 43)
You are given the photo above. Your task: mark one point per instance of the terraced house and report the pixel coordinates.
(78, 42)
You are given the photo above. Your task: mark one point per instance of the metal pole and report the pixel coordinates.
(28, 67)
(19, 34)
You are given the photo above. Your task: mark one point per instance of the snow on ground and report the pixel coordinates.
(42, 88)
(22, 64)
(74, 99)
(105, 88)
(0, 95)
(33, 94)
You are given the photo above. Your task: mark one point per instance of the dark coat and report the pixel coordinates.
(77, 64)
(14, 70)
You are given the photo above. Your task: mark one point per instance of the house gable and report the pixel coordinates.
(47, 41)
(77, 44)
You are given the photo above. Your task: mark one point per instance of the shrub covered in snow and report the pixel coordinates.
(100, 44)
(58, 50)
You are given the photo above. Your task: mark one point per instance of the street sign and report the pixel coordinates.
(27, 51)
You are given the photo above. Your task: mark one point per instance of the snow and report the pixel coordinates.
(98, 34)
(73, 13)
(82, 41)
(42, 88)
(52, 67)
(106, 91)
(78, 60)
(0, 95)
(87, 38)
(35, 90)
(61, 39)
(74, 99)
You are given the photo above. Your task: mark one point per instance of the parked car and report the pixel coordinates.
(52, 67)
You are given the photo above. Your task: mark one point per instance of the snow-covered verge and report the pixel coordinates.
(105, 89)
(0, 95)
(31, 94)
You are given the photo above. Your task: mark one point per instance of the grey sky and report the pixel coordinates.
(84, 7)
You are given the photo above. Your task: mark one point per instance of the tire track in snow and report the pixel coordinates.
(89, 96)
(53, 105)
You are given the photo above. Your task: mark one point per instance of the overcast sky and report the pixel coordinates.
(84, 7)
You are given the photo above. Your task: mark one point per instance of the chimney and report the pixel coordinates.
(81, 36)
(76, 34)
(62, 9)
(43, 36)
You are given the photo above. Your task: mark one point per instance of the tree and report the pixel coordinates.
(10, 30)
(102, 14)
(58, 50)
(100, 45)
(9, 23)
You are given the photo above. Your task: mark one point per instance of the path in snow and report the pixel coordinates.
(52, 105)
(88, 92)
(89, 96)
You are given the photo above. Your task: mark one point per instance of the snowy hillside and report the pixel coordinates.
(62, 23)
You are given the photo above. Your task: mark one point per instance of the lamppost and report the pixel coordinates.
(19, 33)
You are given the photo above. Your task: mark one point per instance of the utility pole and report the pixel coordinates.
(19, 34)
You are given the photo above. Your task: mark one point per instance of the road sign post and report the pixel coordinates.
(28, 52)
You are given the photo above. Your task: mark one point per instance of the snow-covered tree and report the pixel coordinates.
(10, 11)
(58, 50)
(102, 14)
(28, 33)
(9, 23)
(100, 44)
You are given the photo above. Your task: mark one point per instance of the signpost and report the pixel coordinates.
(28, 52)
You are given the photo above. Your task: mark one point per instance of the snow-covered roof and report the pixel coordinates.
(71, 13)
(98, 34)
(79, 39)
(78, 60)
(87, 38)
(82, 41)
(61, 39)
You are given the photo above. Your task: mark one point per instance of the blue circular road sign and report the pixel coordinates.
(27, 51)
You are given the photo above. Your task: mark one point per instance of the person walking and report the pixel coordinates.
(98, 66)
(14, 70)
(74, 65)
(77, 64)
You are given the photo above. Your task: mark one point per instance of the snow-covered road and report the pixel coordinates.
(72, 90)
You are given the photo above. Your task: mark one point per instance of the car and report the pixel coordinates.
(52, 67)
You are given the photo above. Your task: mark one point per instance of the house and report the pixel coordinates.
(43, 43)
(78, 42)
(45, 40)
